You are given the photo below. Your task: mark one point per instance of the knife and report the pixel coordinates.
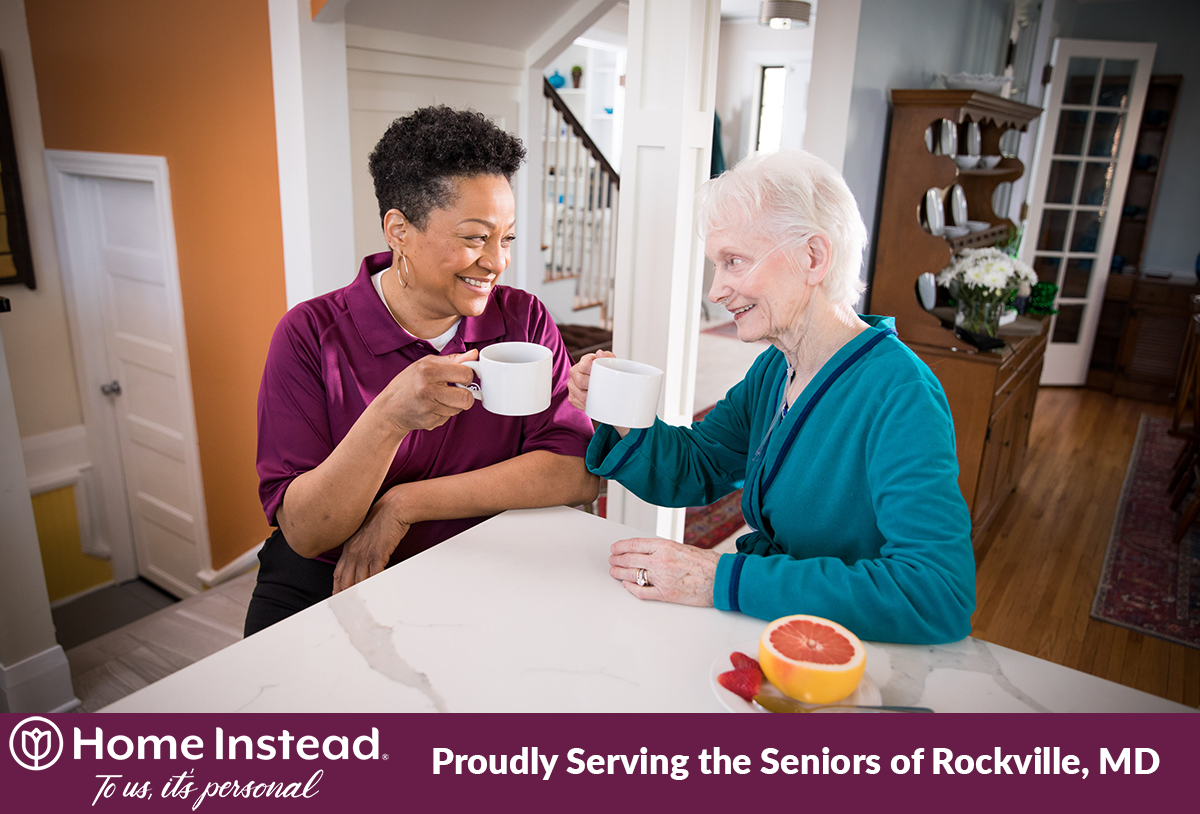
(773, 703)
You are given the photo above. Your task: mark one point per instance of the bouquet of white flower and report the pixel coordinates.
(983, 281)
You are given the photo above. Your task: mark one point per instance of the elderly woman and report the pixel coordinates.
(842, 435)
(367, 451)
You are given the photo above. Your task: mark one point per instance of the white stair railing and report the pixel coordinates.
(580, 192)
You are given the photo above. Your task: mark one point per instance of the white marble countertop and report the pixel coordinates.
(519, 615)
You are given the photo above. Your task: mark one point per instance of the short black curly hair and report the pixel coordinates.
(416, 162)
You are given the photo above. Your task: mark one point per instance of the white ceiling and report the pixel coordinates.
(513, 24)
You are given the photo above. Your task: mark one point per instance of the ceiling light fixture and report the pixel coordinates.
(784, 14)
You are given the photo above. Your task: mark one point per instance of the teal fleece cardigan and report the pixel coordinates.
(864, 523)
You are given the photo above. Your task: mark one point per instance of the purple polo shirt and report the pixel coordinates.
(330, 356)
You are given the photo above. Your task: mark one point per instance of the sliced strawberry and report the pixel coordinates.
(741, 661)
(745, 683)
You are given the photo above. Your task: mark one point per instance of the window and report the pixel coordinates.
(770, 108)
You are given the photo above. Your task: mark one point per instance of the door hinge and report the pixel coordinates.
(1046, 71)
(1024, 216)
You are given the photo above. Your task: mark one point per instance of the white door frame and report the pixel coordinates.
(1059, 368)
(65, 169)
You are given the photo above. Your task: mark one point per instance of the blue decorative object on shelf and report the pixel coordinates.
(1198, 267)
(557, 80)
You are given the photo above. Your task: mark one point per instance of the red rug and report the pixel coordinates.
(704, 526)
(1149, 584)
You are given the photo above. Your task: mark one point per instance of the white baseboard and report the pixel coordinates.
(40, 683)
(240, 565)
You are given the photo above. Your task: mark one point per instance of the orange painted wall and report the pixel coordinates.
(192, 82)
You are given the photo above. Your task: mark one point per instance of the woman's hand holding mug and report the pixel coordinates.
(423, 395)
(618, 392)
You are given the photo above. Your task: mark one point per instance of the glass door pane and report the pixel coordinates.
(1097, 90)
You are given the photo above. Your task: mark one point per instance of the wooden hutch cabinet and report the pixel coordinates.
(991, 393)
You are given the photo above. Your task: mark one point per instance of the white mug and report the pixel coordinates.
(623, 393)
(514, 378)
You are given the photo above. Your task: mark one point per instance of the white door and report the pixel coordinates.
(117, 242)
(1093, 106)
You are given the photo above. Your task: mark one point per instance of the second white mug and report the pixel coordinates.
(623, 393)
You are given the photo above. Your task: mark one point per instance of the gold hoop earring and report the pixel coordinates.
(403, 282)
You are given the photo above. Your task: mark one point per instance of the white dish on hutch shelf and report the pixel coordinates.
(935, 213)
(977, 225)
(958, 205)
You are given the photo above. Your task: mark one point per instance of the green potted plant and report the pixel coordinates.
(576, 74)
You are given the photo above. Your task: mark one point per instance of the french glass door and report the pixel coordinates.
(1085, 150)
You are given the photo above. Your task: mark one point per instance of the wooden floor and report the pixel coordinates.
(1039, 563)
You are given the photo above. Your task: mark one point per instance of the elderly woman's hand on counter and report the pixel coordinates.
(670, 571)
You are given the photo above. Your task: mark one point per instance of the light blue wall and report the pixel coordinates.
(905, 44)
(1174, 238)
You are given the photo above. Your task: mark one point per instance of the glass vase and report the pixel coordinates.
(978, 322)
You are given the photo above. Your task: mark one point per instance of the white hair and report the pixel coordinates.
(791, 195)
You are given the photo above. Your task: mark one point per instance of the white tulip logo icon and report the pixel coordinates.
(38, 747)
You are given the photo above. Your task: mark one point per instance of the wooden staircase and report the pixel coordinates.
(580, 193)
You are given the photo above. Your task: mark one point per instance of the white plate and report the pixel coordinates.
(958, 205)
(929, 138)
(867, 694)
(955, 231)
(949, 138)
(973, 140)
(978, 225)
(927, 290)
(935, 212)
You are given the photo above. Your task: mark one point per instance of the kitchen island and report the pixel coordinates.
(518, 614)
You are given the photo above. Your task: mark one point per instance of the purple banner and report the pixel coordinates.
(237, 763)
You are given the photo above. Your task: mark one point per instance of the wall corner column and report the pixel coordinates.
(312, 135)
(670, 98)
(34, 674)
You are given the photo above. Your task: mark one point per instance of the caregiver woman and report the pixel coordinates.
(842, 435)
(367, 452)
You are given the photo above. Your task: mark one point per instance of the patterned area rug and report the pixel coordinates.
(704, 526)
(1149, 584)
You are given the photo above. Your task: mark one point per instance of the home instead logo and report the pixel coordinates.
(36, 743)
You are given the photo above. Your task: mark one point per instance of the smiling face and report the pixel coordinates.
(454, 262)
(756, 281)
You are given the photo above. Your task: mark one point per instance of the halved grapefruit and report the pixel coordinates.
(811, 659)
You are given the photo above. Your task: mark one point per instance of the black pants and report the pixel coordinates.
(287, 584)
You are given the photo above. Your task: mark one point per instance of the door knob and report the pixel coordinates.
(113, 389)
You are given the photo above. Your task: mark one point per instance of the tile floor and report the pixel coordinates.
(120, 662)
(124, 660)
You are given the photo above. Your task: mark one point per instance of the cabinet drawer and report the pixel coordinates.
(1009, 375)
(1176, 296)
